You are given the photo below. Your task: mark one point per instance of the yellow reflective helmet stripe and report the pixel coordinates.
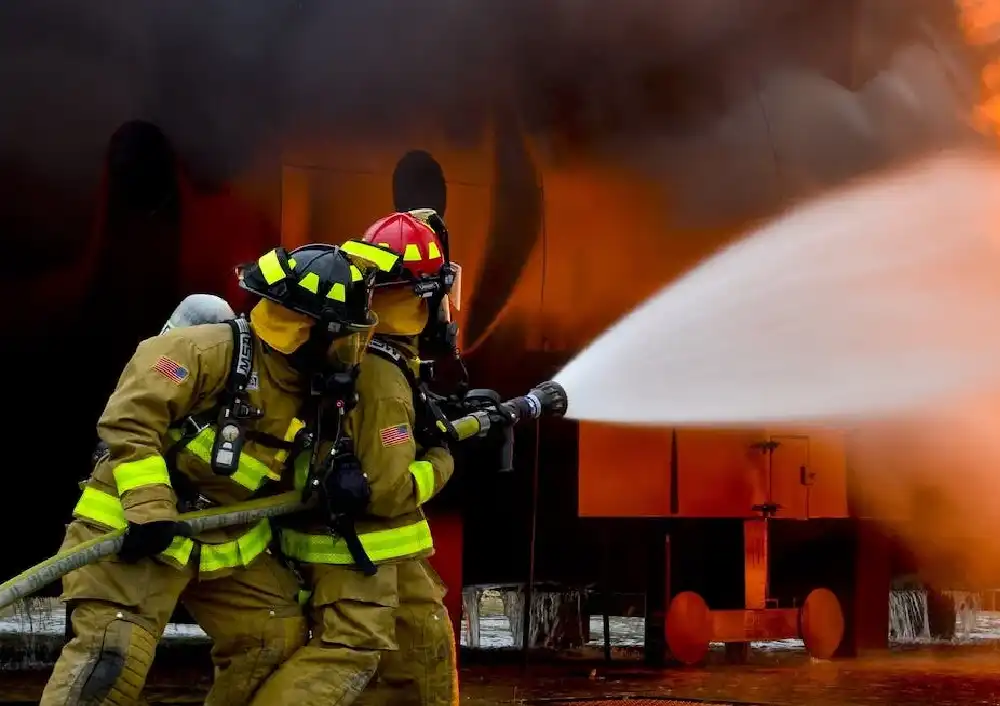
(151, 470)
(432, 251)
(383, 259)
(251, 473)
(106, 510)
(270, 267)
(381, 545)
(412, 253)
(310, 282)
(101, 508)
(423, 476)
(356, 275)
(238, 552)
(338, 292)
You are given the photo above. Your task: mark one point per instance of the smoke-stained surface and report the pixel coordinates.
(736, 105)
(224, 78)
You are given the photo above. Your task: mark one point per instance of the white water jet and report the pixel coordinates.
(968, 605)
(908, 615)
(875, 299)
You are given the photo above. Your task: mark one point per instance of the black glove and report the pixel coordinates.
(344, 486)
(346, 493)
(148, 539)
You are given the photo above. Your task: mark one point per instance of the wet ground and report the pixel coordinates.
(965, 676)
(918, 672)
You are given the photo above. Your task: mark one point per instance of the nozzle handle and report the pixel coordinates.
(507, 450)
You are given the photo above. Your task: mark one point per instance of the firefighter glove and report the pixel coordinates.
(345, 486)
(148, 539)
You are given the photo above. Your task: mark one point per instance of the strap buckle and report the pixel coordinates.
(195, 427)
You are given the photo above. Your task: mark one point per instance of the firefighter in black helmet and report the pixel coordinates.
(314, 306)
(208, 415)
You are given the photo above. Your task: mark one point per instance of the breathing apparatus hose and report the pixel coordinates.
(547, 398)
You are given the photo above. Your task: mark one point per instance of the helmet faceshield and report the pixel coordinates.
(454, 291)
(346, 351)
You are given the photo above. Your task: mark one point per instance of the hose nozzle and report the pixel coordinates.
(551, 397)
(548, 398)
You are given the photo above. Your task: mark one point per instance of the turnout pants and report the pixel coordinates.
(423, 671)
(389, 633)
(121, 610)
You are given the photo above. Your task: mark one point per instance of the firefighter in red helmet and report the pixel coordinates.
(419, 300)
(429, 287)
(393, 624)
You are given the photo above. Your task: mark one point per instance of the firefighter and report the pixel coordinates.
(394, 622)
(206, 416)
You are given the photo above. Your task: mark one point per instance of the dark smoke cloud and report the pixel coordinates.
(225, 78)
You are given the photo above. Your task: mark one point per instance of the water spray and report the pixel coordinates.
(876, 299)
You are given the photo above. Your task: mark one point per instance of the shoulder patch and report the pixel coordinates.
(392, 436)
(171, 370)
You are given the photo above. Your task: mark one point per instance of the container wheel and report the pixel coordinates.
(688, 628)
(821, 623)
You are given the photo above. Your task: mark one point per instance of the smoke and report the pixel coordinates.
(794, 129)
(227, 79)
(931, 478)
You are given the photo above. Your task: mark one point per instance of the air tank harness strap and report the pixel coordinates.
(431, 419)
(230, 415)
(235, 411)
(338, 477)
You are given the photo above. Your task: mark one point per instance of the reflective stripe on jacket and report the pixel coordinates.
(402, 475)
(104, 509)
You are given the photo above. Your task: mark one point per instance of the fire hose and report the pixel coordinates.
(548, 398)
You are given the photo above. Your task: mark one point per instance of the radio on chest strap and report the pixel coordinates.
(235, 410)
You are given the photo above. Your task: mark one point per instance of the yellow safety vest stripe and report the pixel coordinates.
(301, 470)
(238, 552)
(179, 551)
(423, 476)
(294, 427)
(251, 473)
(151, 470)
(381, 545)
(104, 509)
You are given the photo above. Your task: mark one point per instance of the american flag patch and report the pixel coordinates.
(171, 370)
(399, 434)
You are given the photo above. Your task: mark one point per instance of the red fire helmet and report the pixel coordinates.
(421, 240)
